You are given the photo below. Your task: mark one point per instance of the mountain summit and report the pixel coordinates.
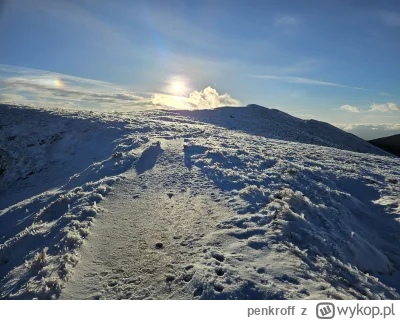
(275, 124)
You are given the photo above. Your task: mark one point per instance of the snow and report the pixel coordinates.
(229, 203)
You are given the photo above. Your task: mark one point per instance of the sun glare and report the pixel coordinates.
(177, 88)
(58, 83)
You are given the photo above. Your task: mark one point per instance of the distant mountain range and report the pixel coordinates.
(390, 144)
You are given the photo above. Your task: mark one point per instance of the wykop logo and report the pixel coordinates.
(325, 310)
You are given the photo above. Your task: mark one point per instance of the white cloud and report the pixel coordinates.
(369, 131)
(350, 108)
(61, 88)
(12, 98)
(169, 101)
(303, 81)
(385, 107)
(345, 127)
(39, 74)
(30, 86)
(208, 98)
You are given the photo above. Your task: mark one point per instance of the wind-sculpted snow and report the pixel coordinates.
(40, 235)
(316, 204)
(230, 203)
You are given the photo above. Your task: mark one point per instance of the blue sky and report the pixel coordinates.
(335, 61)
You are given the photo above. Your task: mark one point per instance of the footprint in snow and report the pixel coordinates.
(218, 256)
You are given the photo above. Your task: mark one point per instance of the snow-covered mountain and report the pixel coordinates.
(208, 204)
(275, 124)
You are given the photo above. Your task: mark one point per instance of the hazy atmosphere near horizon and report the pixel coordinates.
(200, 150)
(333, 61)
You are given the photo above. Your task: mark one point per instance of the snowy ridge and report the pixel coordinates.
(227, 203)
(275, 124)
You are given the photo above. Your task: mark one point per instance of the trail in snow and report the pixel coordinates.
(163, 204)
(150, 240)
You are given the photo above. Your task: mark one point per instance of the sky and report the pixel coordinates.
(333, 61)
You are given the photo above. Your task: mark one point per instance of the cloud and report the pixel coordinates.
(58, 88)
(49, 88)
(369, 131)
(385, 94)
(382, 126)
(208, 98)
(385, 107)
(286, 21)
(6, 69)
(12, 98)
(43, 88)
(350, 108)
(303, 81)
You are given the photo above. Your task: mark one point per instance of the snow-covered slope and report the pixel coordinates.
(225, 203)
(275, 124)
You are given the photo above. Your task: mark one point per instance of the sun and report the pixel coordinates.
(177, 88)
(177, 85)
